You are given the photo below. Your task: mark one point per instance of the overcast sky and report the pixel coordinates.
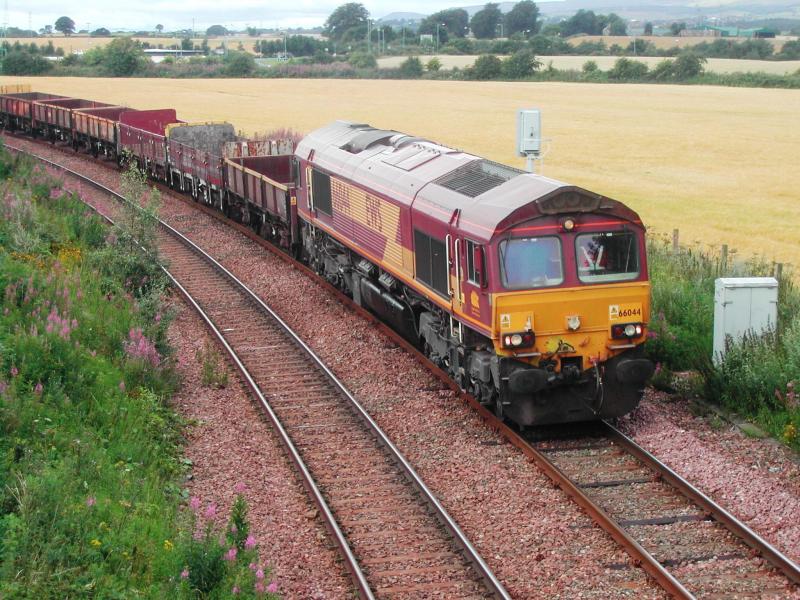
(175, 14)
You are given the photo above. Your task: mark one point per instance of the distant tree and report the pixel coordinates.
(589, 66)
(186, 44)
(18, 62)
(484, 22)
(688, 65)
(523, 17)
(252, 31)
(461, 46)
(521, 64)
(433, 65)
(49, 49)
(362, 60)
(123, 57)
(648, 28)
(204, 46)
(663, 71)
(346, 18)
(47, 30)
(453, 22)
(411, 67)
(626, 68)
(216, 30)
(676, 28)
(101, 32)
(239, 64)
(65, 25)
(159, 28)
(616, 25)
(487, 66)
(789, 51)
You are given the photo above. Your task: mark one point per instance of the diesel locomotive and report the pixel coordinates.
(531, 293)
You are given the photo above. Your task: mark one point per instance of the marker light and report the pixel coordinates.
(568, 224)
(518, 340)
(627, 330)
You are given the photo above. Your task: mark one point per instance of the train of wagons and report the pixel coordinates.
(531, 293)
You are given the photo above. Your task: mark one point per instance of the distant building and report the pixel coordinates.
(159, 54)
(727, 32)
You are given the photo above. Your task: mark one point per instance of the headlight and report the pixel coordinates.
(627, 330)
(518, 340)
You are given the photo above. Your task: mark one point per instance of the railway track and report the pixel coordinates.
(692, 546)
(688, 544)
(394, 536)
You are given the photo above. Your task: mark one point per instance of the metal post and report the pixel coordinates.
(529, 165)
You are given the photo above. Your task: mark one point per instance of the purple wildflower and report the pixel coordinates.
(194, 503)
(231, 554)
(211, 511)
(272, 587)
(260, 587)
(139, 347)
(250, 542)
(14, 371)
(239, 487)
(185, 574)
(38, 389)
(235, 590)
(260, 574)
(91, 501)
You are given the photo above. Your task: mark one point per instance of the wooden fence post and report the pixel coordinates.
(778, 271)
(675, 243)
(724, 258)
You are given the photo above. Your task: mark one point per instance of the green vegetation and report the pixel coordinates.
(90, 453)
(758, 377)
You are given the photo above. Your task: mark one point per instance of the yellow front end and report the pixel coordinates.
(571, 322)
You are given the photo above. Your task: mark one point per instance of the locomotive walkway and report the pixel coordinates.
(394, 536)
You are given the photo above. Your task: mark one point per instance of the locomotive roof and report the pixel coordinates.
(482, 196)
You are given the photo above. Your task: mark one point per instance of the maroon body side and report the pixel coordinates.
(263, 181)
(141, 132)
(98, 123)
(58, 112)
(21, 105)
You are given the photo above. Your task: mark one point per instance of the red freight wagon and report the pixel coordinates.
(17, 109)
(141, 132)
(55, 115)
(96, 128)
(262, 190)
(195, 157)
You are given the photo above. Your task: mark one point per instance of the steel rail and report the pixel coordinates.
(734, 525)
(471, 553)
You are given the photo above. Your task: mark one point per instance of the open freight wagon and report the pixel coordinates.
(96, 129)
(142, 134)
(53, 117)
(16, 110)
(262, 192)
(195, 159)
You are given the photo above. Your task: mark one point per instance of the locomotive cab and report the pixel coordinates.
(570, 311)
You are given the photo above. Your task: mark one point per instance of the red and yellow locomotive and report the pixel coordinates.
(531, 293)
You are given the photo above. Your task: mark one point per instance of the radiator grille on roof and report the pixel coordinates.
(477, 177)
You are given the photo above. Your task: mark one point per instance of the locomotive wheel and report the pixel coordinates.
(498, 408)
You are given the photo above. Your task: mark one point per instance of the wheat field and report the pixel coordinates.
(720, 164)
(715, 65)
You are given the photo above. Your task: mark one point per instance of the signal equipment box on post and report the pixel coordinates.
(743, 305)
(529, 132)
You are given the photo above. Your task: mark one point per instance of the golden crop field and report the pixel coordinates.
(720, 164)
(716, 65)
(662, 42)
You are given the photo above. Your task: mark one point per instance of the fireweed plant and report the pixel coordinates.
(91, 466)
